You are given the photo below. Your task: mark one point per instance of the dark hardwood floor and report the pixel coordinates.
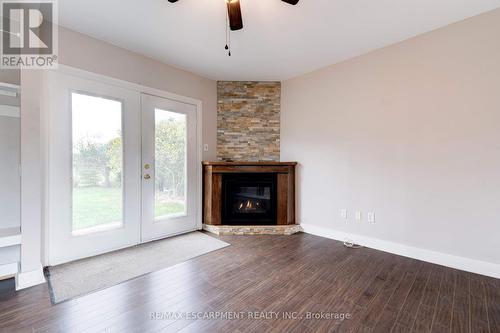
(274, 276)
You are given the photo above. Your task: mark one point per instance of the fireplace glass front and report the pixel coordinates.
(249, 199)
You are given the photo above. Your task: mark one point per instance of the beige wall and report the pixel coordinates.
(12, 76)
(411, 132)
(81, 51)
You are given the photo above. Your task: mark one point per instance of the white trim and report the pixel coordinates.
(462, 263)
(97, 228)
(9, 90)
(10, 236)
(10, 111)
(10, 86)
(7, 270)
(8, 93)
(29, 279)
(199, 159)
(170, 235)
(45, 164)
(64, 69)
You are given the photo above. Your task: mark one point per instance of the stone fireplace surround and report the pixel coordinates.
(248, 121)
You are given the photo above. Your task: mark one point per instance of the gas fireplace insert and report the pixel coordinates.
(249, 199)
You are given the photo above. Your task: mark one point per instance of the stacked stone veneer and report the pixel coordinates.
(248, 121)
(240, 230)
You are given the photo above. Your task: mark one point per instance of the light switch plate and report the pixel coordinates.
(371, 217)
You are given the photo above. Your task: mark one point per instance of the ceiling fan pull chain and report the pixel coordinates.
(227, 24)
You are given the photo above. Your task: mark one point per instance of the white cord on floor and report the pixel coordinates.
(350, 244)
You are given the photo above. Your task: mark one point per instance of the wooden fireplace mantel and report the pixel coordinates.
(212, 187)
(247, 163)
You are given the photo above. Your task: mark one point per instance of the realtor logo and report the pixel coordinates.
(29, 34)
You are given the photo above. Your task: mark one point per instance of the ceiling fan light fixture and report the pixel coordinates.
(234, 14)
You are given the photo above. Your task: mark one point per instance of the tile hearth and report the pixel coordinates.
(230, 230)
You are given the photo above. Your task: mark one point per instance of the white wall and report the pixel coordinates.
(410, 132)
(10, 196)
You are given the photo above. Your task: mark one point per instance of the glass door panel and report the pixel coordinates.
(169, 184)
(170, 164)
(97, 164)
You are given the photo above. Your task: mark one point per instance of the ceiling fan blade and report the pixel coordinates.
(172, 1)
(291, 2)
(234, 13)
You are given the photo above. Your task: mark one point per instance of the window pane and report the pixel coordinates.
(97, 164)
(170, 164)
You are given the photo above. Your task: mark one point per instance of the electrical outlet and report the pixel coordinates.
(205, 147)
(358, 216)
(371, 217)
(343, 213)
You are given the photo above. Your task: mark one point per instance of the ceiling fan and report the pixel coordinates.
(234, 15)
(234, 12)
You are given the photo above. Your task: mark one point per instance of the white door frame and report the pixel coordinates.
(45, 130)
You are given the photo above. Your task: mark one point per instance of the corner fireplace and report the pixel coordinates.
(249, 199)
(259, 195)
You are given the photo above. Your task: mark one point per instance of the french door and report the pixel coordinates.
(169, 167)
(121, 167)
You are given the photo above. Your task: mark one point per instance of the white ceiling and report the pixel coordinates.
(278, 41)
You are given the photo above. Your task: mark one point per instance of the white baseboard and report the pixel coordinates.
(465, 264)
(29, 279)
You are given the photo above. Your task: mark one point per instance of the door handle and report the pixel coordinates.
(147, 176)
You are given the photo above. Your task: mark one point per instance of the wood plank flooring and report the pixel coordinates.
(273, 284)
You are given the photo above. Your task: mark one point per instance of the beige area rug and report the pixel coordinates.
(84, 276)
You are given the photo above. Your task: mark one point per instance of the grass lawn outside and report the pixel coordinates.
(97, 206)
